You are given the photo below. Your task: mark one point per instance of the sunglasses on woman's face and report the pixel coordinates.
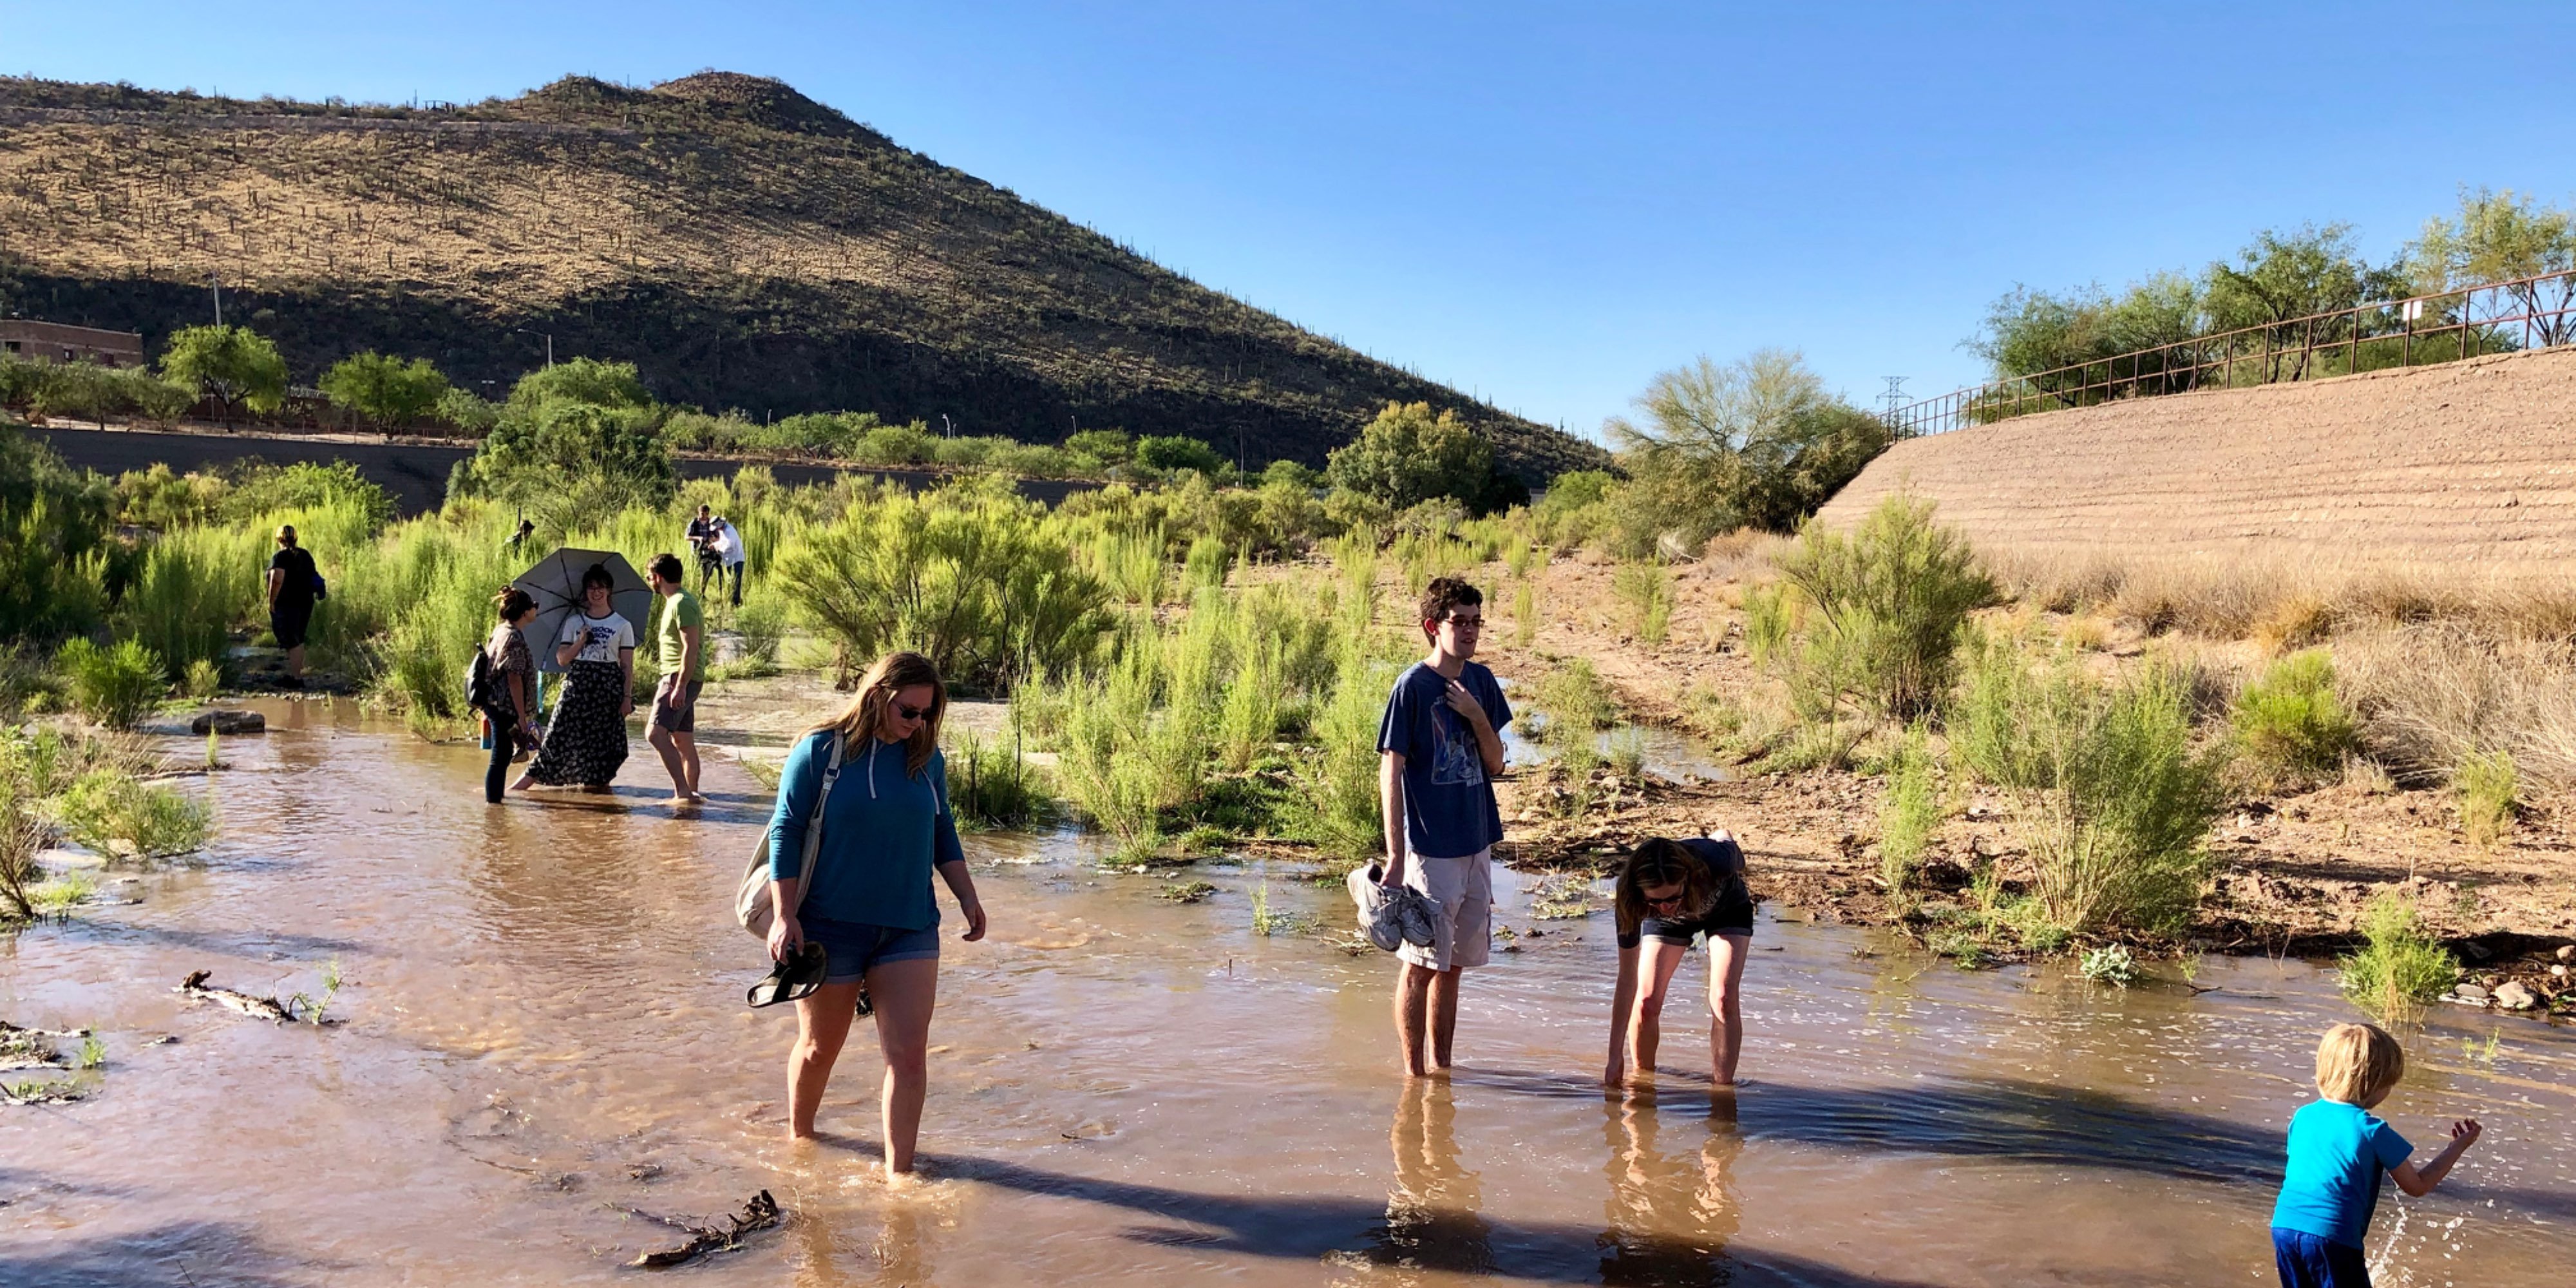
(910, 712)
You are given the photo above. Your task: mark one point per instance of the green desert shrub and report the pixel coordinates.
(195, 586)
(2398, 964)
(2490, 788)
(1910, 815)
(2111, 799)
(1646, 591)
(109, 810)
(1871, 620)
(1576, 702)
(968, 574)
(991, 787)
(2289, 722)
(115, 686)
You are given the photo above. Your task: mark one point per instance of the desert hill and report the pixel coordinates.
(744, 245)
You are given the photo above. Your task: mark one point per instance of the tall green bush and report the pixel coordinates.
(968, 574)
(1872, 620)
(115, 686)
(1909, 816)
(2110, 797)
(54, 541)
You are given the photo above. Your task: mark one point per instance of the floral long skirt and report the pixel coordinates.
(586, 739)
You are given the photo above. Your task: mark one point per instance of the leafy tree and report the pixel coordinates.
(463, 409)
(1407, 456)
(1171, 452)
(2054, 338)
(581, 380)
(2498, 238)
(82, 391)
(233, 365)
(2280, 277)
(572, 463)
(1102, 448)
(1755, 443)
(384, 389)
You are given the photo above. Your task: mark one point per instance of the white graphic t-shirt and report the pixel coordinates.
(600, 637)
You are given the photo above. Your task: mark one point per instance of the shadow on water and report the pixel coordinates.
(1671, 1214)
(182, 1254)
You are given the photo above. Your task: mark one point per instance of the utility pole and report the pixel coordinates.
(217, 283)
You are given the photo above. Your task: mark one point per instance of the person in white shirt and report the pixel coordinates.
(726, 544)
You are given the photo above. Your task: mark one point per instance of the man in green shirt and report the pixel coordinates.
(680, 643)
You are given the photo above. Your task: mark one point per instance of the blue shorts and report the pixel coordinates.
(2307, 1261)
(851, 947)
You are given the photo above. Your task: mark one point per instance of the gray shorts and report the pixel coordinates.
(675, 708)
(1462, 892)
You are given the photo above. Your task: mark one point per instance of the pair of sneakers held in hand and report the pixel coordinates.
(1391, 918)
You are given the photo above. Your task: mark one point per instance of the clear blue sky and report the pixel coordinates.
(1549, 203)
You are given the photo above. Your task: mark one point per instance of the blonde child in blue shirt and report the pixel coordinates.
(2338, 1148)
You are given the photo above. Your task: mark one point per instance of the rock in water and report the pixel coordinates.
(229, 722)
(2513, 996)
(2470, 993)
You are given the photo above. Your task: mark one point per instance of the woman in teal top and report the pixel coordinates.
(886, 828)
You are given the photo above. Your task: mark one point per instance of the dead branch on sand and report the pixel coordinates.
(760, 1213)
(258, 1008)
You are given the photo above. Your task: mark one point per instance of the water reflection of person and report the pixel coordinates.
(900, 1254)
(1670, 1218)
(1433, 1219)
(1668, 893)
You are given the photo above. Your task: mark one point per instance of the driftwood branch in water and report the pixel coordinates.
(759, 1214)
(258, 1008)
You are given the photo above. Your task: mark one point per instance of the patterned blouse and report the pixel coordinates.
(509, 649)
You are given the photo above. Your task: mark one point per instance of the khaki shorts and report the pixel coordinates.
(1462, 890)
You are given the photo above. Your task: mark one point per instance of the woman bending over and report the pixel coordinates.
(1668, 892)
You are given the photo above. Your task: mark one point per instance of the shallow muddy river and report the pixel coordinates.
(544, 1040)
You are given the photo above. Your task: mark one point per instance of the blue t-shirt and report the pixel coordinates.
(883, 832)
(2337, 1152)
(1449, 808)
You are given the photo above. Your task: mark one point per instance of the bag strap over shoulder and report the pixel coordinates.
(814, 825)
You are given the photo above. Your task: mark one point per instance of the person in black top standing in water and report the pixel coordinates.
(293, 585)
(702, 536)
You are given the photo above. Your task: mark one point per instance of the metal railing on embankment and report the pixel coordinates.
(2446, 326)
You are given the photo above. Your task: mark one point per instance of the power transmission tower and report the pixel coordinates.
(1895, 396)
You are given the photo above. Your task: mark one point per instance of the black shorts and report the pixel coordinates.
(289, 620)
(1732, 915)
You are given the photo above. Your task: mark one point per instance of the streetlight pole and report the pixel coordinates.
(217, 283)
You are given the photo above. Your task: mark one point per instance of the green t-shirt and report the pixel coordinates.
(681, 612)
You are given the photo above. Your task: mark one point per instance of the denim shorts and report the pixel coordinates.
(851, 947)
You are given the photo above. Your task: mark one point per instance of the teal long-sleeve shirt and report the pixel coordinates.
(883, 833)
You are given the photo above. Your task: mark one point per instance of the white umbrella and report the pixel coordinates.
(555, 583)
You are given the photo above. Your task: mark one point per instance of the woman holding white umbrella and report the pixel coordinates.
(586, 740)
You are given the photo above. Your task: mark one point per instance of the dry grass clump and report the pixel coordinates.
(2432, 696)
(2285, 600)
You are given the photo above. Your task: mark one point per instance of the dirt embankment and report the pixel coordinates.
(2470, 464)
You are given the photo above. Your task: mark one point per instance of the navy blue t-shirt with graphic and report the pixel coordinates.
(1449, 808)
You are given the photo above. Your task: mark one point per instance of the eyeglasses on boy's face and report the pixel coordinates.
(1467, 623)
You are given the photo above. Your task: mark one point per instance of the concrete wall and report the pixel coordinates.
(2468, 463)
(415, 473)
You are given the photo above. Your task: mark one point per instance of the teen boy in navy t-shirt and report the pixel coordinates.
(1439, 747)
(2338, 1148)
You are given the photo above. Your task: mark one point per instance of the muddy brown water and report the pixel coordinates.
(544, 1048)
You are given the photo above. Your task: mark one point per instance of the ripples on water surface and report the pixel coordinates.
(545, 1038)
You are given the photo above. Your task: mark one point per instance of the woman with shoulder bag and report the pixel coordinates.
(513, 708)
(886, 827)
